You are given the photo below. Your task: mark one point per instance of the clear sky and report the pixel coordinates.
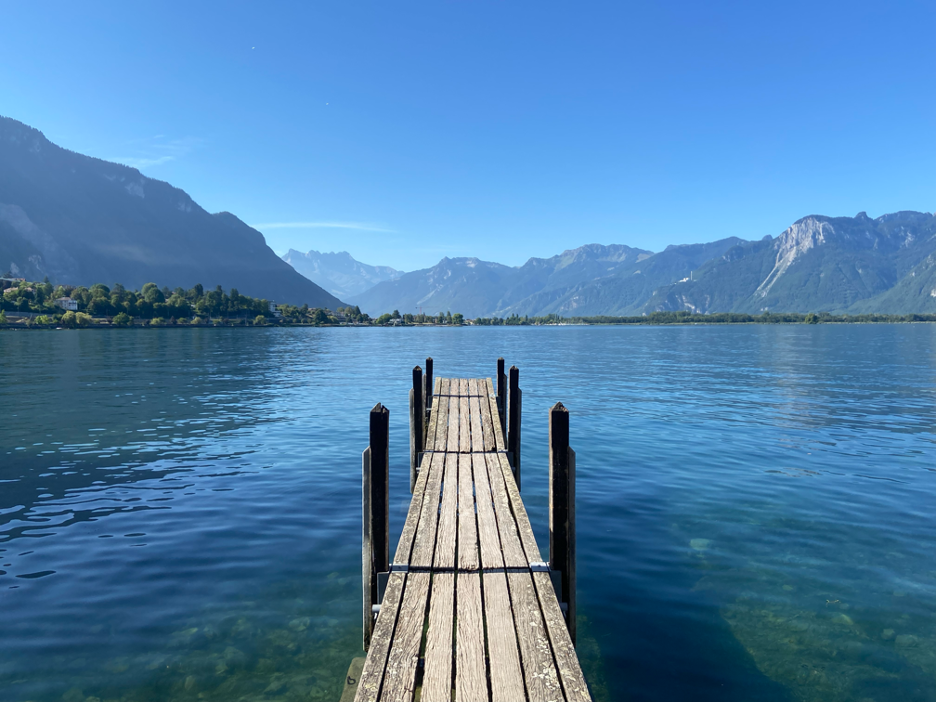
(403, 132)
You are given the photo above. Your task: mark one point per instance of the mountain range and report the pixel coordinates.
(339, 273)
(80, 220)
(835, 264)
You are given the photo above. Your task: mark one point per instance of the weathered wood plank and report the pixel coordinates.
(504, 656)
(441, 437)
(477, 435)
(487, 422)
(519, 511)
(511, 547)
(539, 670)
(373, 673)
(432, 428)
(448, 516)
(464, 425)
(400, 676)
(424, 544)
(499, 439)
(570, 672)
(472, 387)
(410, 526)
(488, 536)
(470, 670)
(437, 676)
(451, 443)
(467, 522)
(463, 387)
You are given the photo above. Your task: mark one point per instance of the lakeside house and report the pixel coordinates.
(67, 303)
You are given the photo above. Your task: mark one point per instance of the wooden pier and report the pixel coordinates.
(467, 609)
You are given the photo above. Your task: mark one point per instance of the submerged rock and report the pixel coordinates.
(277, 685)
(700, 544)
(906, 641)
(887, 634)
(299, 624)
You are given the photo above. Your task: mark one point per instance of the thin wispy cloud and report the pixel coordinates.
(140, 163)
(156, 150)
(359, 226)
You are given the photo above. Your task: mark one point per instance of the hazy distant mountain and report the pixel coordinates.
(339, 273)
(81, 220)
(627, 287)
(835, 264)
(464, 285)
(481, 288)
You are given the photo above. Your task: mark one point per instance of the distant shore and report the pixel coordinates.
(21, 324)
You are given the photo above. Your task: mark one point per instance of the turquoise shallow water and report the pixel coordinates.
(179, 509)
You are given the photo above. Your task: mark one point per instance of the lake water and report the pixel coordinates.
(180, 508)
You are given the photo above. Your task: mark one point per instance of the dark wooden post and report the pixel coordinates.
(562, 508)
(513, 421)
(417, 423)
(502, 396)
(427, 386)
(375, 489)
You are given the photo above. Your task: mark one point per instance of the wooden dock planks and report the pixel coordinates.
(462, 589)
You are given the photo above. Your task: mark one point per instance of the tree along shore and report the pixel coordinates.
(41, 305)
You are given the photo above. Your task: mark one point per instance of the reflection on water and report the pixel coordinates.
(179, 509)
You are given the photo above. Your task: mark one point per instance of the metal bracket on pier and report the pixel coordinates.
(539, 567)
(399, 568)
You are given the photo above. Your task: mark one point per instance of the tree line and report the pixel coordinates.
(687, 317)
(150, 302)
(161, 306)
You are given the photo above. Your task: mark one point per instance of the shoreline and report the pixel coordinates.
(22, 327)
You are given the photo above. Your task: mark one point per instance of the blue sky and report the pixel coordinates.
(403, 132)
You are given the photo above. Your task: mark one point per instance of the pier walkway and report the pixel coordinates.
(469, 607)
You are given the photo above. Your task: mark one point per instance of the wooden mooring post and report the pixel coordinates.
(562, 509)
(502, 396)
(375, 489)
(427, 387)
(513, 422)
(417, 424)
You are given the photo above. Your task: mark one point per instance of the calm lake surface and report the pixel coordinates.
(180, 508)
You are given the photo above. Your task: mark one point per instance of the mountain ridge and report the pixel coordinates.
(819, 263)
(81, 220)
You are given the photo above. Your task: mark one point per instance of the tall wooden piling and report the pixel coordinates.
(427, 387)
(513, 421)
(502, 396)
(375, 493)
(417, 424)
(562, 508)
